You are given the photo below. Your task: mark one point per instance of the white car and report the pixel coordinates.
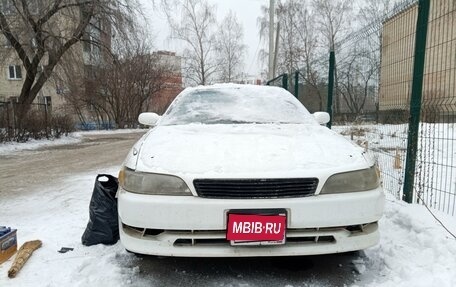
(242, 170)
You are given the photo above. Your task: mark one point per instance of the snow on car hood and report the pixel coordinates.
(247, 151)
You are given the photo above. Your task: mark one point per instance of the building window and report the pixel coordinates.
(45, 103)
(14, 72)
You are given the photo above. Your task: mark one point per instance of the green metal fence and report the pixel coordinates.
(394, 92)
(279, 81)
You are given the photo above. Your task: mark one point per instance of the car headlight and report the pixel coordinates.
(359, 180)
(152, 183)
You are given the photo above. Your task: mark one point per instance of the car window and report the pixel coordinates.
(236, 106)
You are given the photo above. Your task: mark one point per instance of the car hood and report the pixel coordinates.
(247, 150)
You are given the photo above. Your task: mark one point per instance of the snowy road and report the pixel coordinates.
(21, 171)
(46, 194)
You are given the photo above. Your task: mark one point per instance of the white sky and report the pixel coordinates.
(247, 12)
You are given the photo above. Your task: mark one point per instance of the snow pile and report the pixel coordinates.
(108, 132)
(414, 249)
(58, 215)
(12, 147)
(72, 138)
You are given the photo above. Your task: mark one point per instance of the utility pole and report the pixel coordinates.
(276, 50)
(271, 39)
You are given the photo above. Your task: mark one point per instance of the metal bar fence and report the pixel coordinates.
(415, 99)
(329, 107)
(377, 102)
(38, 122)
(279, 81)
(435, 182)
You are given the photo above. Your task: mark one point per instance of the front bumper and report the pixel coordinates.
(195, 227)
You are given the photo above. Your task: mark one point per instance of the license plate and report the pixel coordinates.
(256, 229)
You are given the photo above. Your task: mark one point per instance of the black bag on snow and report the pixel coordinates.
(103, 221)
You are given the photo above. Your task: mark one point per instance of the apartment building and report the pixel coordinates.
(173, 83)
(72, 86)
(82, 56)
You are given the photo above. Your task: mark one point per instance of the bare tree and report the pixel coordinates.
(263, 25)
(41, 32)
(123, 88)
(359, 60)
(290, 46)
(311, 65)
(375, 12)
(230, 49)
(333, 20)
(357, 77)
(298, 46)
(196, 28)
(129, 85)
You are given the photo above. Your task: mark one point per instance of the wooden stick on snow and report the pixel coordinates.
(23, 254)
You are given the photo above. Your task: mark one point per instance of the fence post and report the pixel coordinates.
(332, 60)
(415, 99)
(296, 84)
(285, 81)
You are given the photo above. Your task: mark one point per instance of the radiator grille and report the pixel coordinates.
(255, 188)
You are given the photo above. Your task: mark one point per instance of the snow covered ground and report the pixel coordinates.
(72, 138)
(11, 147)
(57, 215)
(414, 250)
(436, 159)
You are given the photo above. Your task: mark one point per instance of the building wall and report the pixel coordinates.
(11, 88)
(398, 44)
(8, 87)
(172, 83)
(398, 47)
(77, 58)
(77, 63)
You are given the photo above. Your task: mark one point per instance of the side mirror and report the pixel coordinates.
(322, 117)
(148, 119)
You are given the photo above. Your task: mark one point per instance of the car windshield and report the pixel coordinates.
(244, 105)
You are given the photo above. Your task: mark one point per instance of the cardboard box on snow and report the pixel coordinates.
(8, 245)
